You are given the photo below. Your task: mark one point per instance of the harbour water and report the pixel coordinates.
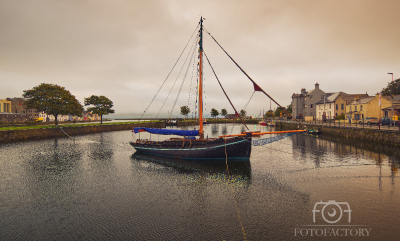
(94, 187)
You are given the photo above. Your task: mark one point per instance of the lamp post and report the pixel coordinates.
(392, 100)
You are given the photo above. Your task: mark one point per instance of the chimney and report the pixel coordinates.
(303, 91)
(317, 86)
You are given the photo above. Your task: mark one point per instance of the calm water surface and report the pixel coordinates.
(94, 187)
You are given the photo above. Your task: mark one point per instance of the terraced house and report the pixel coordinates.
(303, 104)
(369, 107)
(335, 104)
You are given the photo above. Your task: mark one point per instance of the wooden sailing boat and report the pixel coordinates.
(225, 147)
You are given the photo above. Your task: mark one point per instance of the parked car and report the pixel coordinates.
(384, 121)
(369, 120)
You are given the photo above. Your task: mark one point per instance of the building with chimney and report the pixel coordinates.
(303, 104)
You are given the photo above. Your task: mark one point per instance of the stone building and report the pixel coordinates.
(303, 104)
(19, 107)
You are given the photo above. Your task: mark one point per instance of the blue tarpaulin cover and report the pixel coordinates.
(167, 131)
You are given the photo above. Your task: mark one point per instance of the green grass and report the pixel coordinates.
(67, 125)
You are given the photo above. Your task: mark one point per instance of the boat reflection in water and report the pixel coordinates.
(236, 171)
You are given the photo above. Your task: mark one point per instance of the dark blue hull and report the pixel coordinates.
(232, 148)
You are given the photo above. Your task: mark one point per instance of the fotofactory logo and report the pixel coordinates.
(335, 218)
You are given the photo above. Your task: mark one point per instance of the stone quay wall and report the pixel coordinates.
(385, 137)
(45, 133)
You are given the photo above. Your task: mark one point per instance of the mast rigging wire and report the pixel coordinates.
(223, 89)
(254, 83)
(194, 43)
(144, 112)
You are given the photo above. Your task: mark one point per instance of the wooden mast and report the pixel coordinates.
(201, 133)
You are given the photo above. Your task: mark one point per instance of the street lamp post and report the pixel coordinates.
(392, 100)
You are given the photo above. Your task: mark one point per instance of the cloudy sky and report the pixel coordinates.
(124, 49)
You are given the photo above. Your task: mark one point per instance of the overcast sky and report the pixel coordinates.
(125, 49)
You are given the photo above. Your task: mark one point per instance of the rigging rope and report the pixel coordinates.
(224, 89)
(183, 81)
(144, 112)
(178, 76)
(262, 142)
(245, 106)
(256, 87)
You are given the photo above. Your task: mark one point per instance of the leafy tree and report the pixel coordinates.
(101, 105)
(340, 117)
(185, 110)
(269, 113)
(278, 111)
(243, 113)
(289, 108)
(52, 100)
(224, 112)
(214, 112)
(393, 88)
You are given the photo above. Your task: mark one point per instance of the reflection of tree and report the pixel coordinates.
(100, 150)
(56, 159)
(214, 129)
(224, 130)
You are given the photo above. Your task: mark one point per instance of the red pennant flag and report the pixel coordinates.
(256, 87)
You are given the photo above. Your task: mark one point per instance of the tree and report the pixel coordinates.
(185, 110)
(289, 108)
(243, 113)
(224, 112)
(278, 111)
(101, 105)
(214, 112)
(52, 100)
(393, 88)
(269, 113)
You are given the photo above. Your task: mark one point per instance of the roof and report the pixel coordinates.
(362, 101)
(396, 107)
(350, 97)
(309, 92)
(330, 99)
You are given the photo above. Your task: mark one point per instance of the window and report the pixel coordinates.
(330, 106)
(305, 106)
(337, 107)
(311, 106)
(355, 108)
(350, 108)
(305, 98)
(361, 108)
(311, 97)
(322, 97)
(336, 112)
(342, 106)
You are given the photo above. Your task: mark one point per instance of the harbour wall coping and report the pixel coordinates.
(45, 133)
(385, 137)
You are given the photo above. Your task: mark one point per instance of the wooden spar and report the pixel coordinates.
(256, 87)
(264, 133)
(201, 132)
